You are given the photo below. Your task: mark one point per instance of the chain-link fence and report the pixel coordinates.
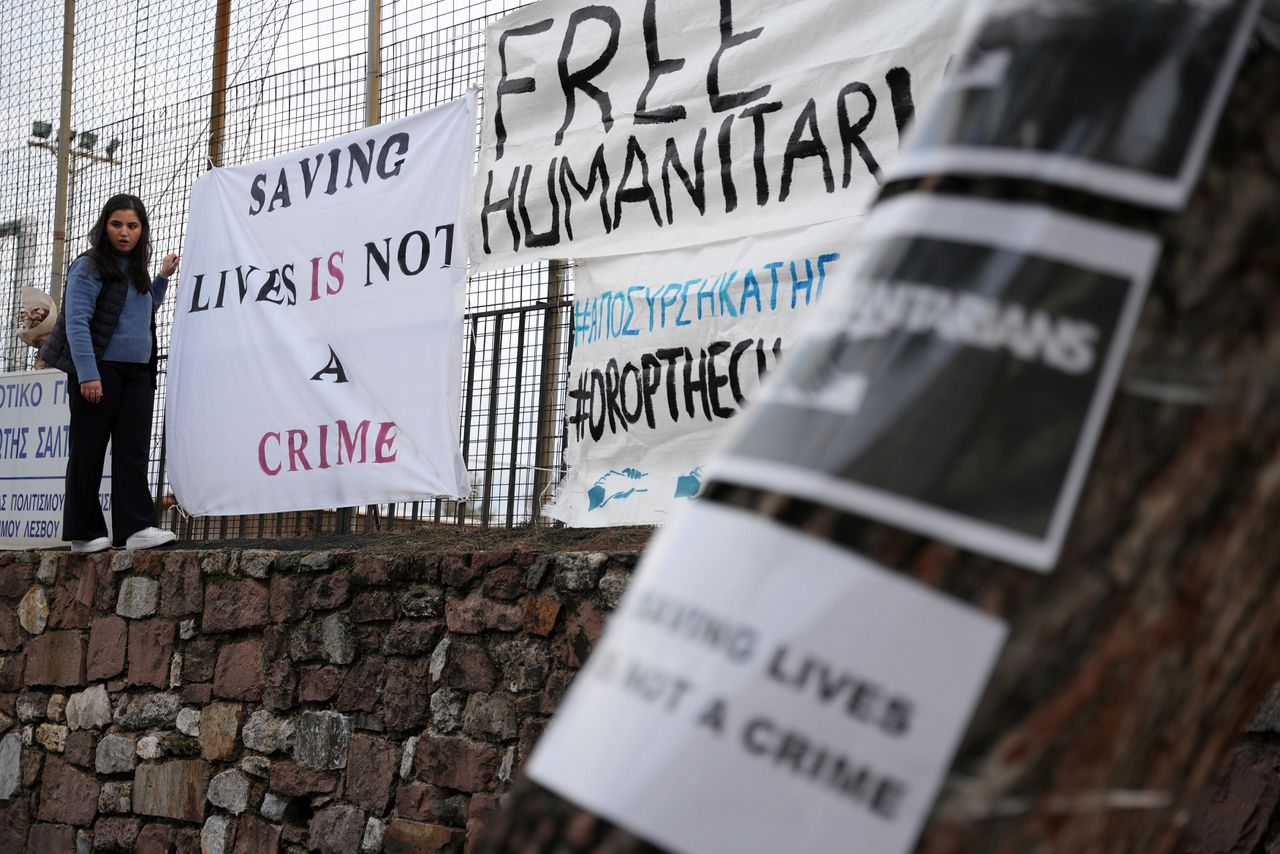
(296, 73)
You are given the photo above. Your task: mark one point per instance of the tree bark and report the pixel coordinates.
(1132, 668)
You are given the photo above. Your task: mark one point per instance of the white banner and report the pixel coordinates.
(760, 691)
(34, 433)
(625, 126)
(317, 340)
(668, 347)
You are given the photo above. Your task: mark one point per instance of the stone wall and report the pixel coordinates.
(1243, 812)
(280, 701)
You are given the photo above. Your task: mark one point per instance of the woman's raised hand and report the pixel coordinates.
(169, 265)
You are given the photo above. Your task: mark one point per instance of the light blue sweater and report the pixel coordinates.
(131, 341)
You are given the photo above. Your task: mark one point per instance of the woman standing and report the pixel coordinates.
(105, 339)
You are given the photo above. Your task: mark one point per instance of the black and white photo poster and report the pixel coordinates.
(760, 691)
(1116, 97)
(959, 386)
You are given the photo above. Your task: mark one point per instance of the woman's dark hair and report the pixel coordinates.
(106, 259)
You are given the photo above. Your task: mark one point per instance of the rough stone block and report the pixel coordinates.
(197, 693)
(279, 677)
(154, 839)
(71, 600)
(116, 797)
(81, 748)
(337, 644)
(422, 600)
(10, 634)
(540, 614)
(33, 611)
(583, 627)
(371, 770)
(406, 693)
(17, 576)
(447, 708)
(374, 831)
(1236, 816)
(52, 737)
(466, 666)
(505, 583)
(457, 571)
(139, 597)
(490, 716)
(216, 835)
(89, 709)
(256, 563)
(148, 711)
(422, 802)
(256, 766)
(273, 806)
(412, 837)
(230, 791)
(199, 658)
(255, 836)
(57, 708)
(320, 684)
(173, 789)
(56, 658)
(362, 687)
(373, 606)
(51, 839)
(116, 834)
(233, 605)
(67, 795)
(181, 588)
(219, 723)
(291, 780)
(12, 670)
(10, 766)
(413, 637)
(479, 809)
(150, 651)
(478, 613)
(523, 663)
(612, 585)
(456, 763)
(237, 675)
(321, 739)
(336, 829)
(189, 722)
(329, 591)
(148, 747)
(578, 572)
(31, 706)
(316, 562)
(108, 638)
(115, 754)
(287, 597)
(267, 733)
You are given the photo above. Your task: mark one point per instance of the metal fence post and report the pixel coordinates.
(552, 347)
(64, 149)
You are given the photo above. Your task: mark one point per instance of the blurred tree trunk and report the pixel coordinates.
(1132, 669)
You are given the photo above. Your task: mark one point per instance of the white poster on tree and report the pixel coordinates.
(317, 339)
(759, 691)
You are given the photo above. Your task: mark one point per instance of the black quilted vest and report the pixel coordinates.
(56, 352)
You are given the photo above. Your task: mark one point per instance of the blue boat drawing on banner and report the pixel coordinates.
(687, 485)
(600, 494)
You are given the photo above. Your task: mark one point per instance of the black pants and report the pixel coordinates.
(123, 416)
